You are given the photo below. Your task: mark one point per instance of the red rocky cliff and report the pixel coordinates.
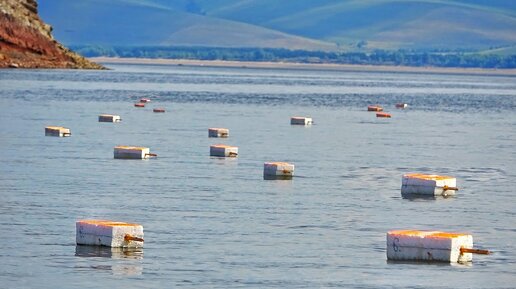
(26, 42)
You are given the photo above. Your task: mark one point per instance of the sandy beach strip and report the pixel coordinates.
(306, 66)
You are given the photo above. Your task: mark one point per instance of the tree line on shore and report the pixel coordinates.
(463, 59)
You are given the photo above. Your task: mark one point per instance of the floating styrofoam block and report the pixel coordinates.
(108, 233)
(278, 169)
(223, 151)
(139, 104)
(401, 105)
(144, 100)
(57, 131)
(218, 132)
(158, 109)
(412, 245)
(131, 152)
(383, 114)
(421, 184)
(301, 120)
(109, 118)
(374, 108)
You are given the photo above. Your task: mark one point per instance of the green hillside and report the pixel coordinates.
(141, 23)
(501, 51)
(382, 23)
(362, 25)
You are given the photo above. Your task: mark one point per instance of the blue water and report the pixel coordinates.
(215, 223)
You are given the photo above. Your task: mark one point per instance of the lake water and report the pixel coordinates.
(216, 223)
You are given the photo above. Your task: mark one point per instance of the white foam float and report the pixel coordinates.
(109, 118)
(58, 131)
(132, 152)
(423, 184)
(414, 245)
(301, 120)
(281, 169)
(109, 233)
(218, 132)
(220, 150)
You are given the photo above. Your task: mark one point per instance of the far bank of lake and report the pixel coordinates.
(305, 66)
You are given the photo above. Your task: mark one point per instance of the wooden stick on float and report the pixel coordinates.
(474, 251)
(128, 238)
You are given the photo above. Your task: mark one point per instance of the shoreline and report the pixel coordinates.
(303, 66)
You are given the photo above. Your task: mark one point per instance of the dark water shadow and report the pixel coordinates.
(428, 263)
(415, 197)
(269, 177)
(108, 252)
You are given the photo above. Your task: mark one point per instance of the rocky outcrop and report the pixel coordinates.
(27, 42)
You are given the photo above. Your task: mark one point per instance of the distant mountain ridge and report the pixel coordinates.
(292, 24)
